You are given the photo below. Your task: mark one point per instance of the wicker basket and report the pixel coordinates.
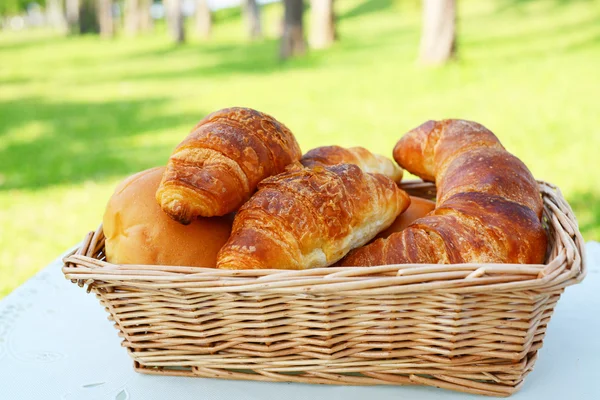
(469, 327)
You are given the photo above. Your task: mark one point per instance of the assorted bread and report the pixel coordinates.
(332, 205)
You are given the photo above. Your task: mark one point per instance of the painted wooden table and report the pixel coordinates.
(56, 343)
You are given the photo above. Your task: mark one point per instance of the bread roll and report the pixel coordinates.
(418, 208)
(137, 231)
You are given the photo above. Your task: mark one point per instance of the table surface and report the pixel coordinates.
(56, 343)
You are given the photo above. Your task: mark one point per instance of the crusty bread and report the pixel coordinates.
(311, 217)
(418, 208)
(488, 203)
(367, 161)
(220, 163)
(137, 231)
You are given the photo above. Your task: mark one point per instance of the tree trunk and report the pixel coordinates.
(105, 18)
(438, 40)
(146, 22)
(292, 40)
(175, 20)
(88, 17)
(322, 32)
(203, 19)
(137, 16)
(253, 19)
(72, 13)
(132, 17)
(55, 14)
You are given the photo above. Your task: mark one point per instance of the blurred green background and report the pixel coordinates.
(79, 113)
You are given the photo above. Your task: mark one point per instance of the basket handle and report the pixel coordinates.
(573, 245)
(91, 244)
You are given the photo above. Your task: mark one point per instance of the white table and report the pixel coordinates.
(56, 343)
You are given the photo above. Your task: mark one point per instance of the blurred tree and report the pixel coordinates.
(137, 16)
(322, 29)
(55, 14)
(105, 18)
(438, 40)
(9, 7)
(176, 20)
(203, 19)
(88, 17)
(252, 12)
(131, 20)
(292, 39)
(146, 22)
(72, 12)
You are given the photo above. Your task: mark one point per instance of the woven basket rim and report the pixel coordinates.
(565, 266)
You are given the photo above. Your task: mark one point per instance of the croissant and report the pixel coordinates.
(311, 217)
(488, 205)
(218, 166)
(367, 161)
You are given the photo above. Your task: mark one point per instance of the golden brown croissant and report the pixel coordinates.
(218, 166)
(367, 161)
(311, 217)
(488, 204)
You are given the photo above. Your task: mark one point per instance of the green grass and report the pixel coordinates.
(79, 114)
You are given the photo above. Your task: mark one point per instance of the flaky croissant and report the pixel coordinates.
(311, 217)
(367, 161)
(488, 203)
(218, 166)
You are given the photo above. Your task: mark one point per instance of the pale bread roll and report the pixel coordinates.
(138, 231)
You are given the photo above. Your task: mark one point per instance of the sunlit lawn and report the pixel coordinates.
(78, 114)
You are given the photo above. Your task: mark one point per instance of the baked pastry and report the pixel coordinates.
(367, 161)
(311, 217)
(137, 231)
(218, 166)
(488, 203)
(418, 208)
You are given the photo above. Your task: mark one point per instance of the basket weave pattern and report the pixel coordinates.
(468, 327)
